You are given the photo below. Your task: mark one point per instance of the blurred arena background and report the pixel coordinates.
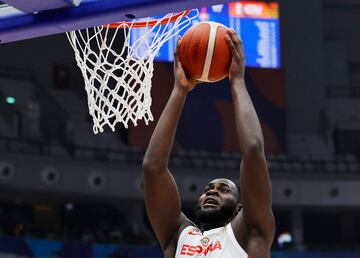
(65, 192)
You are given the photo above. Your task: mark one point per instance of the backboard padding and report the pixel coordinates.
(88, 14)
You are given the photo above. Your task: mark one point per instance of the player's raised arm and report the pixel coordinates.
(161, 194)
(255, 184)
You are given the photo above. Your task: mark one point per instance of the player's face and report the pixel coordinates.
(218, 202)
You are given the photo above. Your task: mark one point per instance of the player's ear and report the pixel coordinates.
(239, 207)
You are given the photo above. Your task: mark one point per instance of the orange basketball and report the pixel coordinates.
(204, 53)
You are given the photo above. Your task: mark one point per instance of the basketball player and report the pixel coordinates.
(233, 222)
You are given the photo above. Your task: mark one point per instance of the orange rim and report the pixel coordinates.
(149, 23)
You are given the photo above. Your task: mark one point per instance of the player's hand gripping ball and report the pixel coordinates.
(204, 52)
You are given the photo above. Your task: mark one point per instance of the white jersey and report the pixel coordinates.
(214, 243)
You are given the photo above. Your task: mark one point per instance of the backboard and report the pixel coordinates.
(21, 19)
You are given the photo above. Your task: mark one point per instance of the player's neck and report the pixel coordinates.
(208, 226)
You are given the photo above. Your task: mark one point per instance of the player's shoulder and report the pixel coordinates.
(185, 225)
(248, 236)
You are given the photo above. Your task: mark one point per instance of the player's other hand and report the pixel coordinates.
(181, 80)
(237, 67)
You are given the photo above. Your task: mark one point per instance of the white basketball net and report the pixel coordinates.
(118, 82)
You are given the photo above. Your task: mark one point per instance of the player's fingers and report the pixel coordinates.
(234, 36)
(237, 41)
(177, 50)
(234, 52)
(241, 49)
(194, 82)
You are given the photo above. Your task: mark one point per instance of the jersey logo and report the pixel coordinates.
(205, 241)
(191, 250)
(195, 232)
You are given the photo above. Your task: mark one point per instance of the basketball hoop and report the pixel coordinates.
(118, 83)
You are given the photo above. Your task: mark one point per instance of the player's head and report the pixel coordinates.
(219, 203)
